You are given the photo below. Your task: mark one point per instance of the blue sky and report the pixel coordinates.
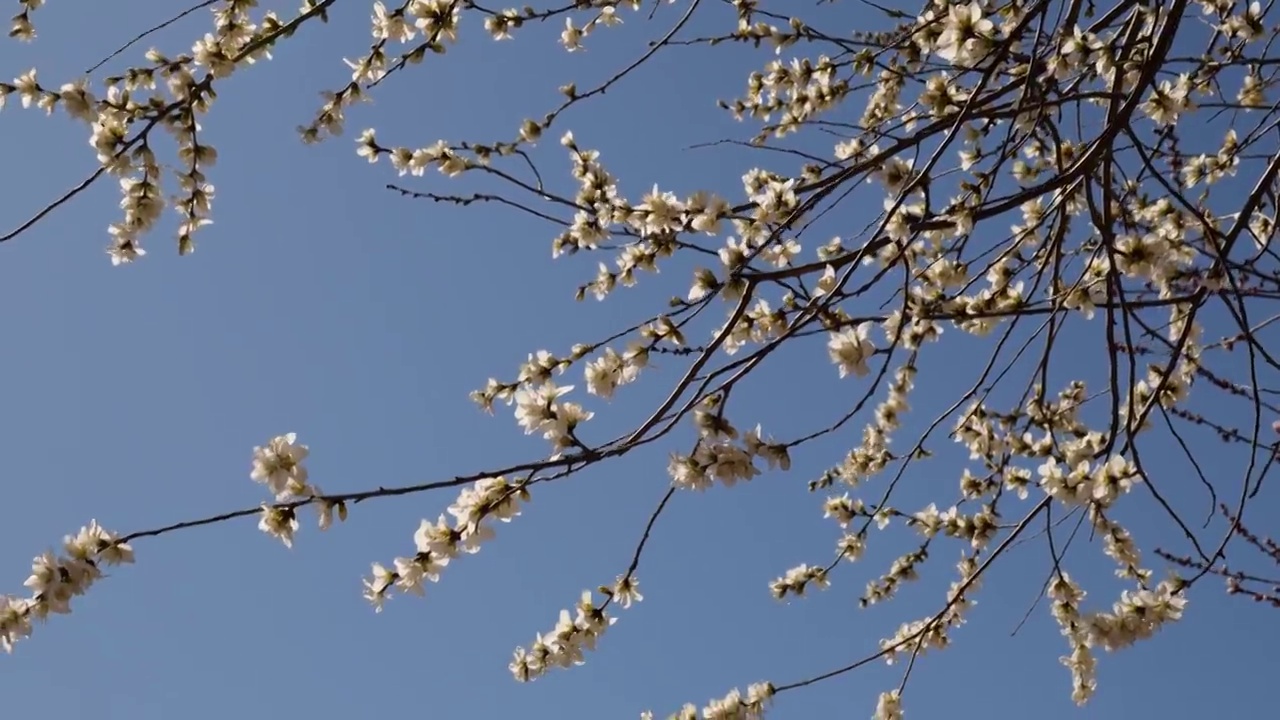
(321, 303)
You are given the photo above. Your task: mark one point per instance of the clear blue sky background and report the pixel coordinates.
(323, 304)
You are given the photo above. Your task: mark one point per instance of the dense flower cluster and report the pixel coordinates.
(437, 543)
(57, 579)
(733, 706)
(278, 465)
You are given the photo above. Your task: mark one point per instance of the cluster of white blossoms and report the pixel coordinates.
(733, 706)
(536, 397)
(919, 636)
(1083, 484)
(607, 373)
(1136, 616)
(169, 93)
(56, 579)
(574, 633)
(977, 529)
(437, 543)
(278, 465)
(540, 410)
(851, 348)
(889, 706)
(975, 89)
(721, 456)
(966, 34)
(1069, 474)
(565, 644)
(797, 580)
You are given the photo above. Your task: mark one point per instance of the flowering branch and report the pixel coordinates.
(1008, 173)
